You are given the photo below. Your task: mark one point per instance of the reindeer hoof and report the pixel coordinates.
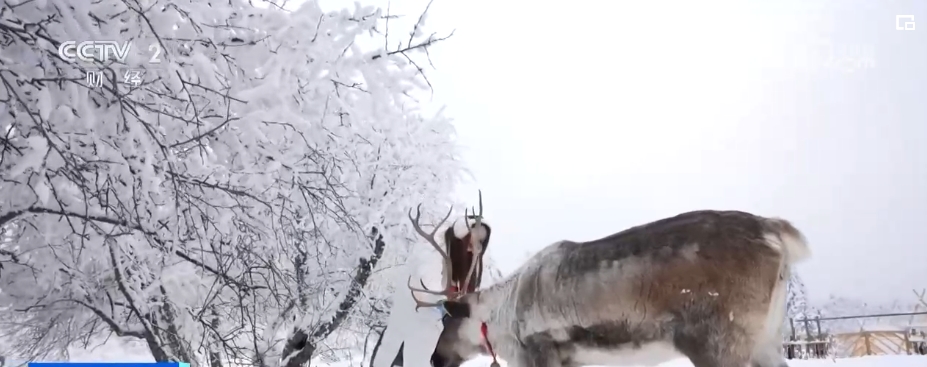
(494, 364)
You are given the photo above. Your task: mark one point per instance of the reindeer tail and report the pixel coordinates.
(789, 240)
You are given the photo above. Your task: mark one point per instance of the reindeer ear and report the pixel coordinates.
(457, 309)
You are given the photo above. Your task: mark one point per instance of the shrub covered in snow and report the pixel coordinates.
(232, 204)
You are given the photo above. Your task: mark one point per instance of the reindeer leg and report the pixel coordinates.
(768, 351)
(540, 350)
(716, 356)
(519, 359)
(716, 342)
(542, 355)
(768, 358)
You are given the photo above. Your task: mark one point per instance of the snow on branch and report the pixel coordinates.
(304, 344)
(219, 203)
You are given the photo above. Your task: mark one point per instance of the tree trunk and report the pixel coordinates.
(300, 342)
(214, 357)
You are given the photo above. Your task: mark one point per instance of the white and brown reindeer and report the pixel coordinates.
(465, 244)
(707, 285)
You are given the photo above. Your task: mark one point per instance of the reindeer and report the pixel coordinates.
(465, 244)
(707, 285)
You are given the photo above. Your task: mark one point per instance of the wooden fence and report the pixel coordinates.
(868, 343)
(817, 344)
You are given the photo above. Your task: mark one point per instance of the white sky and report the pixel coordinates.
(584, 118)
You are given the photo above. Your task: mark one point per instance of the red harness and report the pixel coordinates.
(484, 331)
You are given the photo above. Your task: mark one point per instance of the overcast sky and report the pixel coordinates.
(584, 118)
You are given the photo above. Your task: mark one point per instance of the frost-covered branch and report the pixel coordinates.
(302, 343)
(224, 199)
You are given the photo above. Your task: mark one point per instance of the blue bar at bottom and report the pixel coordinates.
(108, 364)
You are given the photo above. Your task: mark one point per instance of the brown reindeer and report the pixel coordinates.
(707, 285)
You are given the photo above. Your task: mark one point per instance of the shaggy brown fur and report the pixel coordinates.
(708, 285)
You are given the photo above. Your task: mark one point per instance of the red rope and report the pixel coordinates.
(485, 330)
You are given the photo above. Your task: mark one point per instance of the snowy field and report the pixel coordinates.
(874, 361)
(113, 352)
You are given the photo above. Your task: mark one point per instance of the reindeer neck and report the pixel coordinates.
(491, 305)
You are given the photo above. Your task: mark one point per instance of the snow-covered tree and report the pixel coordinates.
(797, 308)
(230, 207)
(868, 313)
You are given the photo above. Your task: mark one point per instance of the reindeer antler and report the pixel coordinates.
(430, 237)
(477, 218)
(475, 241)
(419, 303)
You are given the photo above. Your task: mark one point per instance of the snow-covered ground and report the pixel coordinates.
(135, 353)
(408, 325)
(874, 361)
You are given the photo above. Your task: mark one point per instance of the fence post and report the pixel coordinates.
(817, 321)
(822, 348)
(808, 346)
(868, 345)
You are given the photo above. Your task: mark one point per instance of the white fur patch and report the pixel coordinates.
(775, 316)
(470, 332)
(794, 248)
(460, 228)
(478, 234)
(648, 355)
(690, 252)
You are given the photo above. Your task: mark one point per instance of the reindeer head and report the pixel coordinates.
(453, 346)
(459, 341)
(462, 253)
